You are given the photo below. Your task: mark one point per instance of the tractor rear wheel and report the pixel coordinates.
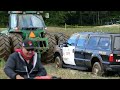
(60, 38)
(48, 56)
(16, 40)
(5, 47)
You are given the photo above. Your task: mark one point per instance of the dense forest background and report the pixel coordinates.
(80, 18)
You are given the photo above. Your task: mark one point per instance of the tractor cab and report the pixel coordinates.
(28, 24)
(26, 20)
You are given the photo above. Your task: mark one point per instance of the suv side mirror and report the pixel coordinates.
(46, 15)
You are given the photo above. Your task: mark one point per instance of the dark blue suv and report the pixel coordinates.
(97, 51)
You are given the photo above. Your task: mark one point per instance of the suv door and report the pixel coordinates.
(79, 50)
(68, 54)
(91, 47)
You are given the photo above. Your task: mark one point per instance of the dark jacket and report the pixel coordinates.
(17, 65)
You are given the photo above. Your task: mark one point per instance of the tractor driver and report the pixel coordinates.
(24, 63)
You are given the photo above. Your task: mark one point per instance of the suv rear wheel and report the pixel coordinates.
(97, 69)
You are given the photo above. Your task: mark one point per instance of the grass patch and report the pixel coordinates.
(70, 31)
(66, 73)
(2, 74)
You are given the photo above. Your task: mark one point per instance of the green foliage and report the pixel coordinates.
(80, 18)
(56, 18)
(4, 18)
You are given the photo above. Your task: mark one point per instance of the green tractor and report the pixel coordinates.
(27, 24)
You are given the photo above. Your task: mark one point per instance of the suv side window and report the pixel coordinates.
(104, 43)
(81, 41)
(117, 43)
(93, 41)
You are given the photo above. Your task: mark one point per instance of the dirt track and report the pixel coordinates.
(65, 73)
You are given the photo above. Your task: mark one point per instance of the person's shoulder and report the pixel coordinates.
(14, 54)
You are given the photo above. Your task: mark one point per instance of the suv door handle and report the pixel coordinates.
(73, 50)
(81, 51)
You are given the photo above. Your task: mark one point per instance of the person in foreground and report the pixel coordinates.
(24, 63)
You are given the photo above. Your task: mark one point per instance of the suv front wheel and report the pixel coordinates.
(97, 69)
(58, 62)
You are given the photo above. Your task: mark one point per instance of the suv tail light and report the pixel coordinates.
(111, 58)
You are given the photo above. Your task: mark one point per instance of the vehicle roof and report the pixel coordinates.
(98, 33)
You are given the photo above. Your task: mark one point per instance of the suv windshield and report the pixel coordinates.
(72, 39)
(27, 21)
(117, 43)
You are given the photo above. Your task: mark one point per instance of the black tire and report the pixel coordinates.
(97, 69)
(58, 62)
(16, 40)
(5, 47)
(60, 38)
(48, 56)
